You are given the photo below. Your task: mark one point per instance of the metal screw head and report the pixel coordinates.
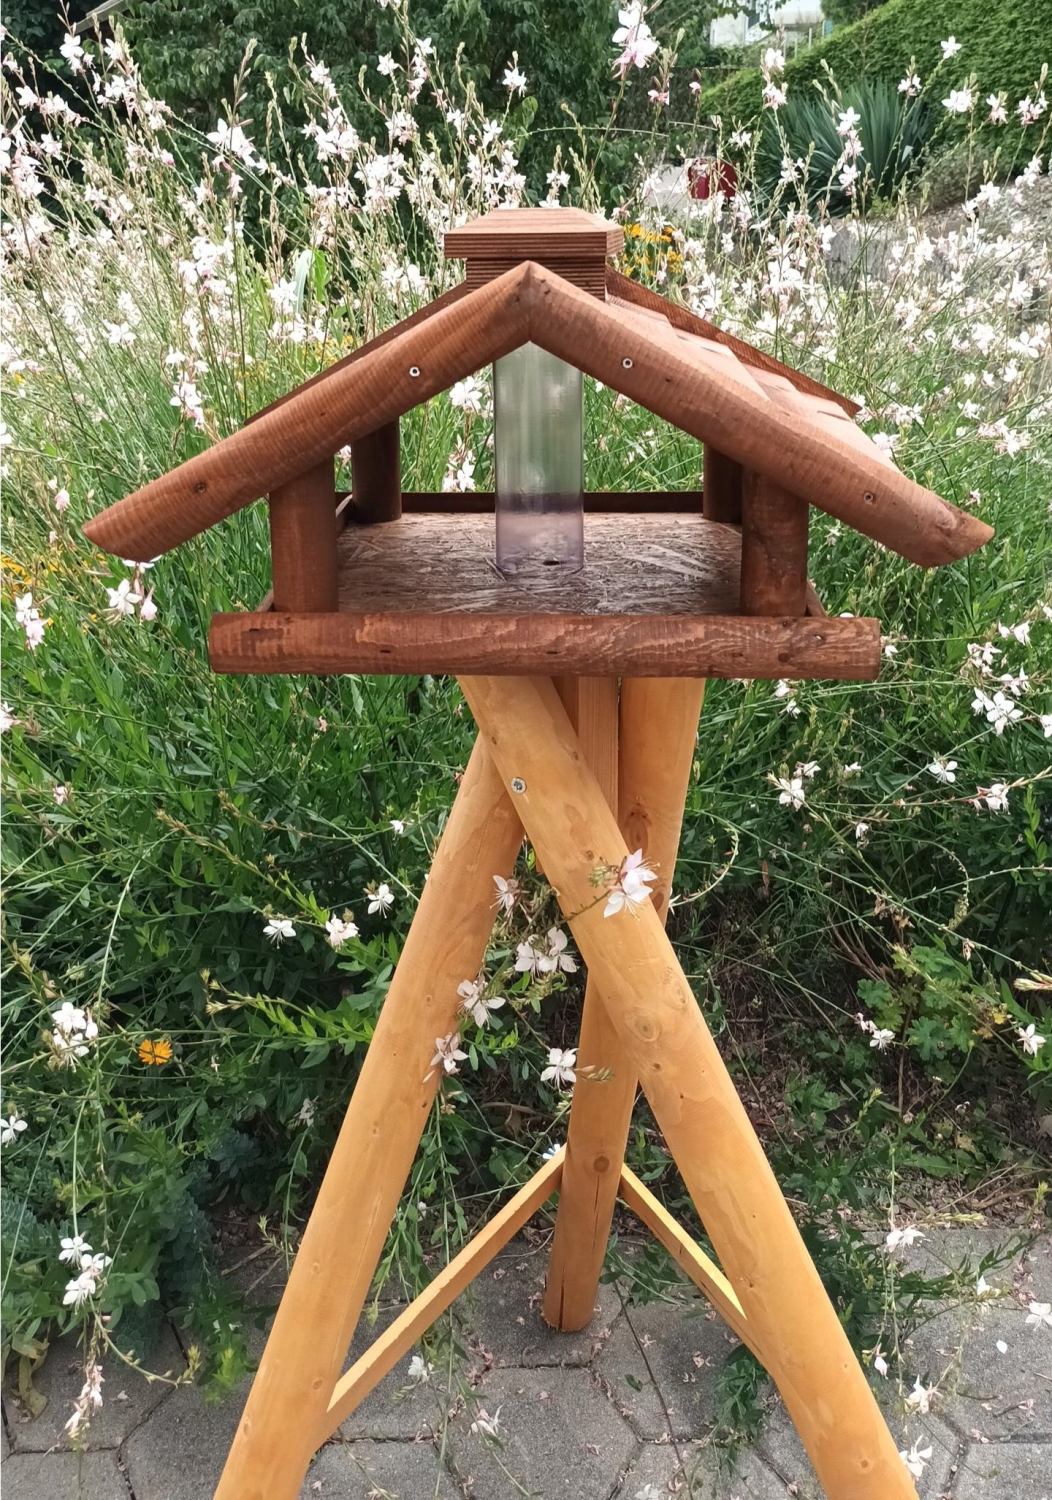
(517, 784)
(626, 364)
(414, 371)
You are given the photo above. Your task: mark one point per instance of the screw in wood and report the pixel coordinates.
(517, 784)
(414, 371)
(626, 364)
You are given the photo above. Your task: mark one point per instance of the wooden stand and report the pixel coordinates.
(533, 771)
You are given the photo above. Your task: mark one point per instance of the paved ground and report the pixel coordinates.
(621, 1411)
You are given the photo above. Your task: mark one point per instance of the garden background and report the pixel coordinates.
(209, 879)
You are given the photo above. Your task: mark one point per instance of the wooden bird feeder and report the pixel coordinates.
(584, 671)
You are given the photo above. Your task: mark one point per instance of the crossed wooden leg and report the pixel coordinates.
(649, 1020)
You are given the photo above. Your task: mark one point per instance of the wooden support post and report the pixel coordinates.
(721, 490)
(303, 542)
(366, 1174)
(692, 1095)
(658, 730)
(376, 475)
(774, 549)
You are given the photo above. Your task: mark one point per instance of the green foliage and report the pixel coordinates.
(846, 12)
(1003, 47)
(894, 132)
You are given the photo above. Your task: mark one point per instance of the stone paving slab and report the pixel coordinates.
(366, 1470)
(985, 1391)
(63, 1476)
(1006, 1471)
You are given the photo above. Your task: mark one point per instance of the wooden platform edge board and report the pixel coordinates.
(382, 1356)
(689, 1256)
(517, 645)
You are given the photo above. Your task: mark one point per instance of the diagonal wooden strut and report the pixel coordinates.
(691, 1093)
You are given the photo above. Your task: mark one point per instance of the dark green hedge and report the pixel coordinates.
(1004, 43)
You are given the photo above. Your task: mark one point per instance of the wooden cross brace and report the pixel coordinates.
(531, 770)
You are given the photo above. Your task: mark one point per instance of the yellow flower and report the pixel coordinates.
(155, 1054)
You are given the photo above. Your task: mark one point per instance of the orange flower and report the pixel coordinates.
(155, 1054)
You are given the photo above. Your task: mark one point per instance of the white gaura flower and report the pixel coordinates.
(880, 1037)
(448, 1053)
(7, 718)
(12, 1128)
(556, 957)
(1020, 632)
(398, 826)
(1045, 720)
(919, 1399)
(278, 929)
(916, 1459)
(340, 930)
(486, 1426)
(950, 47)
(467, 394)
(515, 79)
(527, 958)
(634, 880)
(381, 899)
(73, 1250)
(790, 791)
(943, 770)
(387, 67)
(999, 710)
(959, 101)
(420, 1370)
(124, 598)
(880, 1364)
(995, 797)
(507, 893)
(561, 1066)
(80, 1290)
(1039, 1315)
(910, 85)
(899, 1237)
(475, 1003)
(861, 829)
(1032, 1041)
(808, 769)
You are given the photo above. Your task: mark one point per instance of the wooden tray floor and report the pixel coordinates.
(656, 564)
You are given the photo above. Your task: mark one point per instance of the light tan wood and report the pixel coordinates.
(658, 728)
(587, 645)
(693, 1098)
(374, 1151)
(689, 1256)
(376, 470)
(774, 549)
(303, 541)
(406, 1330)
(721, 487)
(313, 423)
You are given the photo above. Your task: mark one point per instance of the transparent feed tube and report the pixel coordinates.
(537, 425)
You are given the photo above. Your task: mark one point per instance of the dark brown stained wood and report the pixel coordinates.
(413, 365)
(573, 243)
(809, 460)
(824, 413)
(531, 645)
(634, 565)
(414, 320)
(376, 474)
(721, 487)
(774, 549)
(815, 607)
(303, 541)
(679, 316)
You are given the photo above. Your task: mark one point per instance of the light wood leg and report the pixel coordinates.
(658, 730)
(692, 1095)
(344, 1238)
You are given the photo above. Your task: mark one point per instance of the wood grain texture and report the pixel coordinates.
(774, 549)
(656, 737)
(586, 645)
(374, 1151)
(376, 472)
(303, 541)
(634, 564)
(400, 1336)
(292, 437)
(807, 459)
(533, 234)
(721, 487)
(679, 316)
(696, 1106)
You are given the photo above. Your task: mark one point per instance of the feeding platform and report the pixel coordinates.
(581, 628)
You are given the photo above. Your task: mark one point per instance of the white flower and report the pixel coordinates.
(560, 1069)
(515, 80)
(467, 394)
(307, 1110)
(420, 1370)
(773, 61)
(79, 1290)
(1045, 720)
(557, 957)
(61, 794)
(72, 1251)
(340, 931)
(486, 1426)
(916, 1458)
(880, 1037)
(791, 791)
(7, 718)
(861, 829)
(11, 1128)
(61, 500)
(880, 1364)
(474, 1003)
(1039, 1315)
(1020, 632)
(808, 769)
(381, 900)
(960, 101)
(998, 113)
(633, 885)
(124, 597)
(448, 1053)
(148, 609)
(950, 47)
(908, 1236)
(943, 770)
(398, 825)
(73, 52)
(999, 710)
(1031, 1039)
(910, 85)
(387, 67)
(995, 797)
(527, 957)
(278, 929)
(119, 334)
(507, 893)
(919, 1399)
